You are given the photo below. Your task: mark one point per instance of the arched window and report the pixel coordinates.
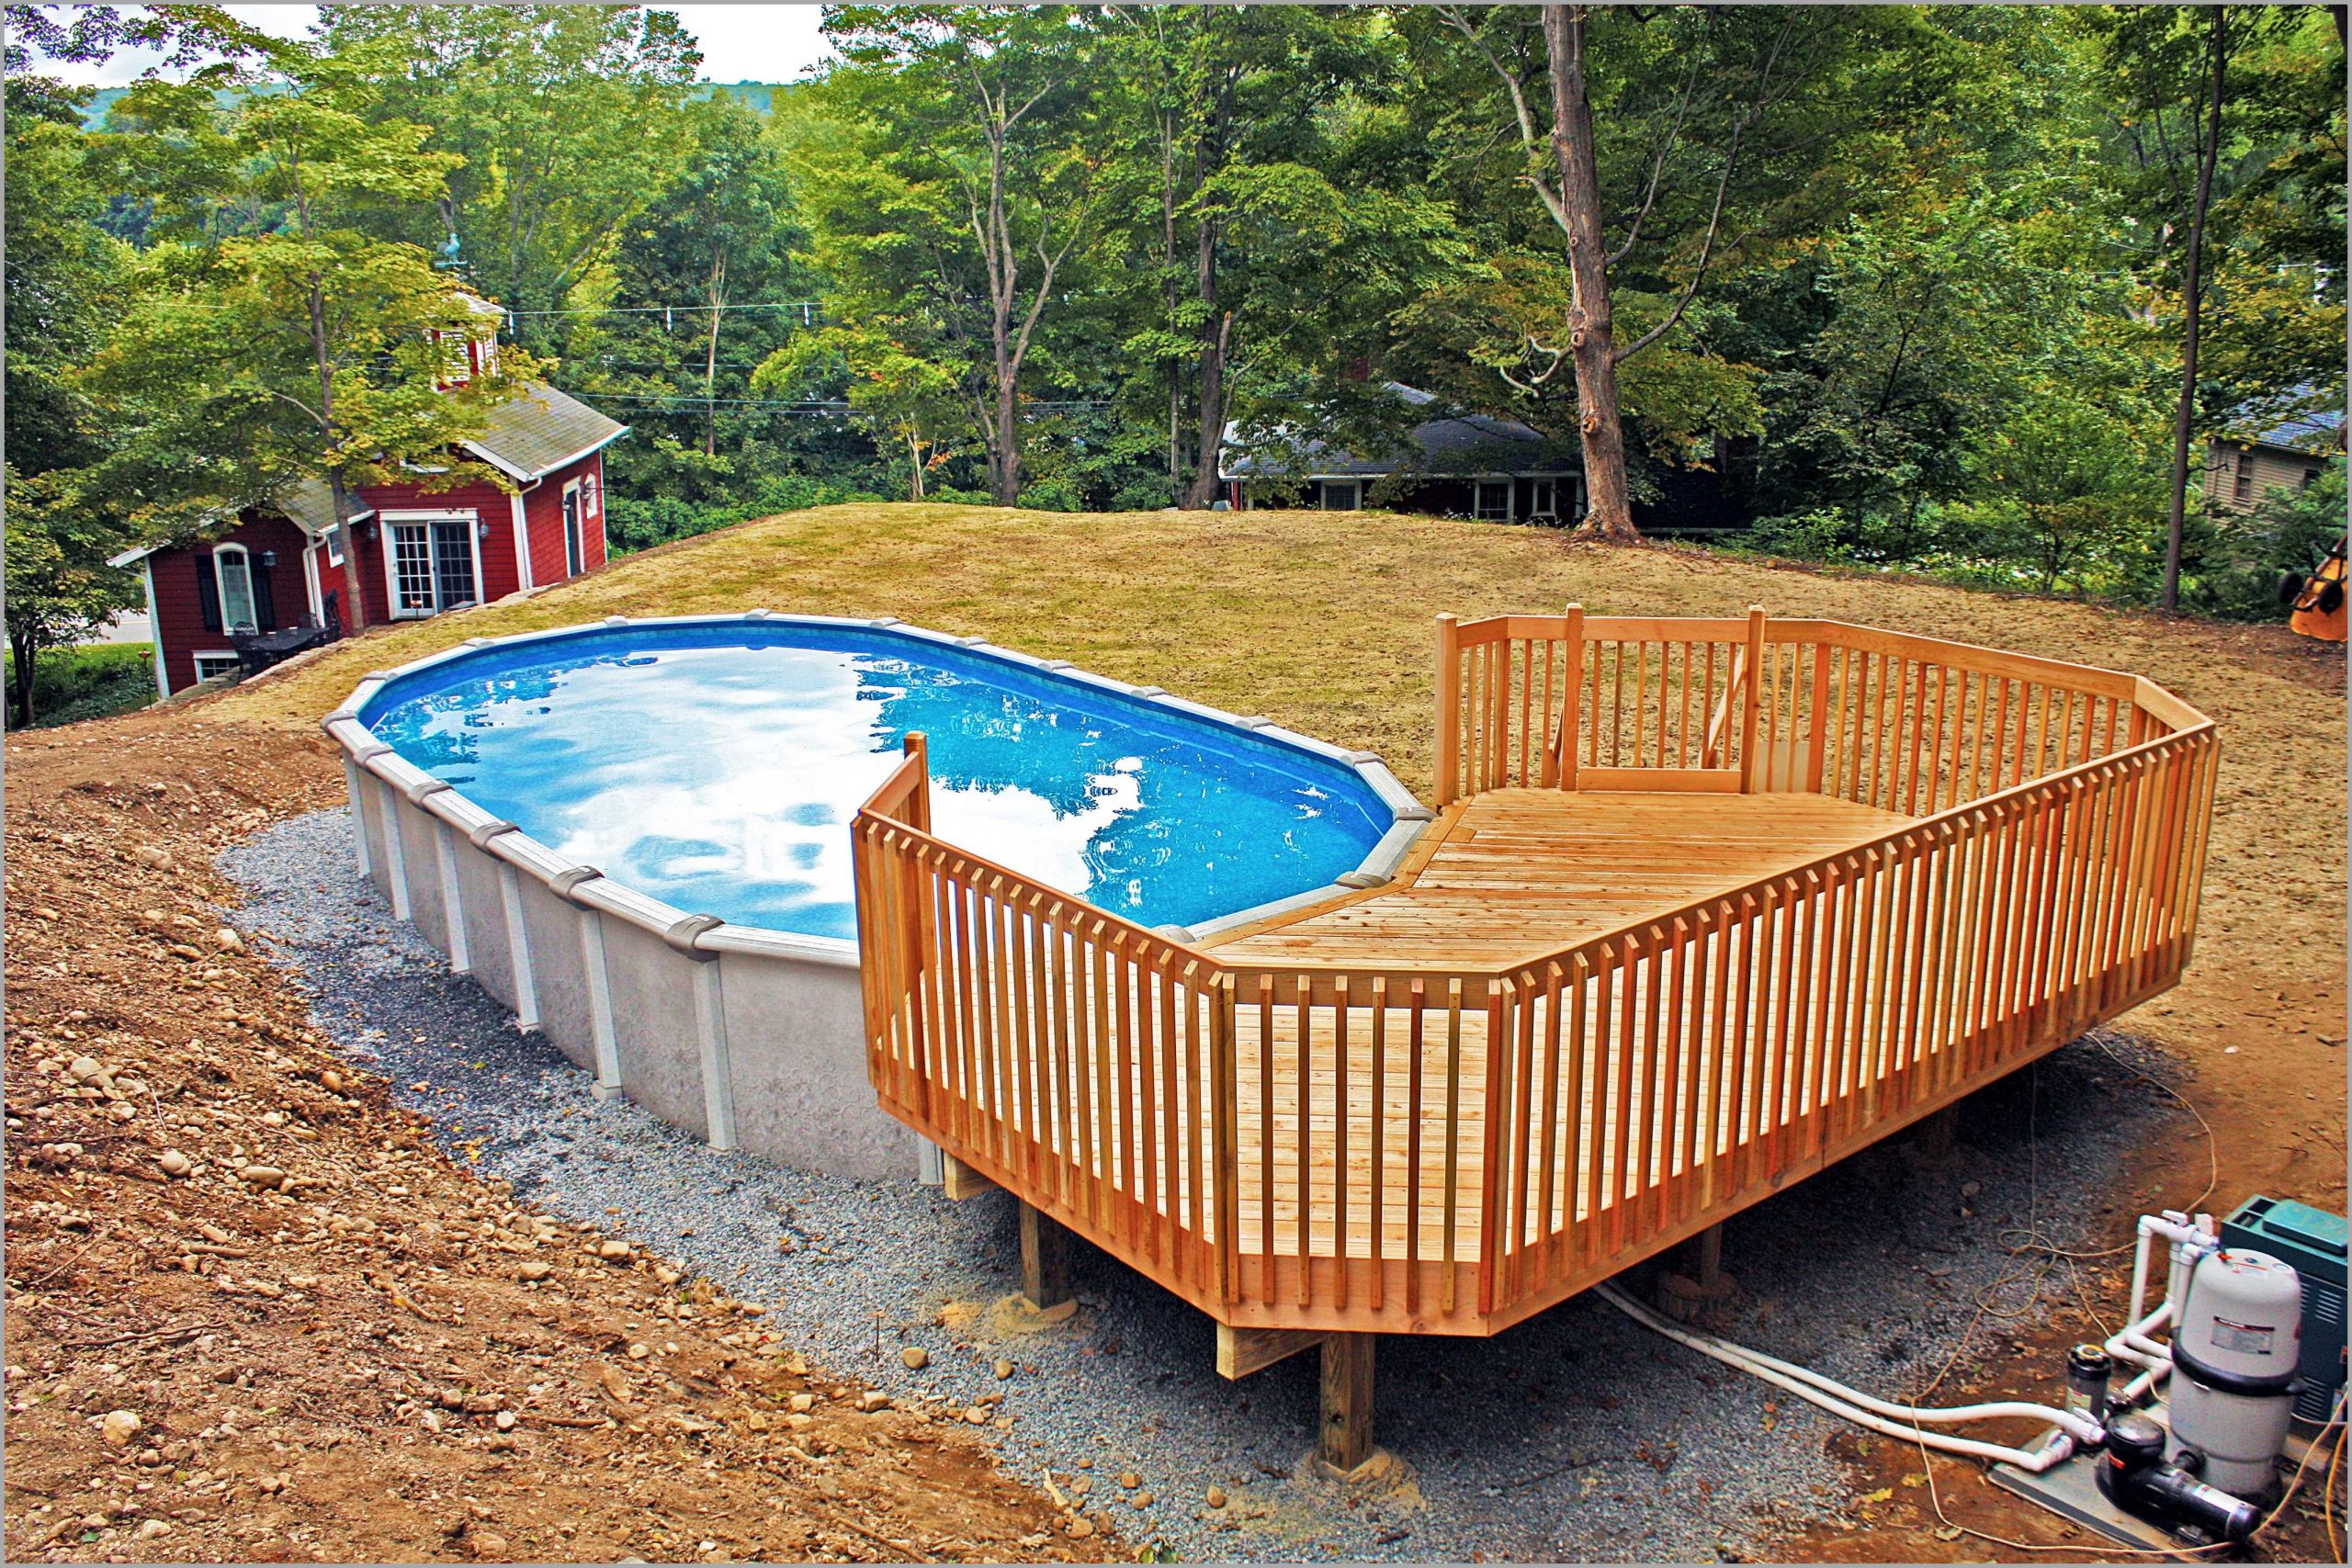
(232, 565)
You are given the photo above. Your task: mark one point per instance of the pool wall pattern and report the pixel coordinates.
(747, 1037)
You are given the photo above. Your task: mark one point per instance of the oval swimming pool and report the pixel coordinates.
(716, 765)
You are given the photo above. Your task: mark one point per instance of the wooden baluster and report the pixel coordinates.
(1219, 1000)
(1750, 709)
(1266, 1243)
(1572, 701)
(1379, 1191)
(1449, 710)
(1417, 999)
(1452, 1140)
(1342, 1107)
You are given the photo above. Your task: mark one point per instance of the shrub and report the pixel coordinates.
(89, 682)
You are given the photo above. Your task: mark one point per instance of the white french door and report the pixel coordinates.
(433, 567)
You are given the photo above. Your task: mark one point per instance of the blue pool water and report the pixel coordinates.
(717, 768)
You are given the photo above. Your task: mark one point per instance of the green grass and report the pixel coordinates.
(91, 682)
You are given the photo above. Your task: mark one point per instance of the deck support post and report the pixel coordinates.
(1045, 1260)
(1343, 1439)
(1707, 1256)
(1937, 1134)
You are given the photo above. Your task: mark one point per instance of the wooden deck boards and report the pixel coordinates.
(1521, 871)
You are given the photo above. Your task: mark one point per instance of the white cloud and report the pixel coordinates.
(740, 43)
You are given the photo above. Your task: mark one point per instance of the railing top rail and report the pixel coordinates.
(1097, 923)
(2095, 679)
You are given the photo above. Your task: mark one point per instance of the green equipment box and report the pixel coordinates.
(2313, 1242)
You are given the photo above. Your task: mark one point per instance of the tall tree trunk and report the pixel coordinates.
(24, 654)
(355, 609)
(2184, 421)
(718, 293)
(1592, 332)
(1210, 384)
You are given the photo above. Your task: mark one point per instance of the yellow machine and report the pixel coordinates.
(2317, 600)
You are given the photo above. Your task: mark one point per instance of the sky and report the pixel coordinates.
(740, 43)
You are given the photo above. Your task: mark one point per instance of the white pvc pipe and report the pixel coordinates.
(1880, 1415)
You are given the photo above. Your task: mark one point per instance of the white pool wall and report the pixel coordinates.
(746, 1037)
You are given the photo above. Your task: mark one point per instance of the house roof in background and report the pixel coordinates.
(540, 429)
(1450, 445)
(2308, 430)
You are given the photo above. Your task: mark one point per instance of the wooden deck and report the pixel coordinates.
(1515, 872)
(1511, 873)
(1708, 906)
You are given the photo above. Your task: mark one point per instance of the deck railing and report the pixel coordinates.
(1449, 1150)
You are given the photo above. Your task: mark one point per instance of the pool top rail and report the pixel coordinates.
(1709, 903)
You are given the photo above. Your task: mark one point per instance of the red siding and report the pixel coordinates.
(179, 616)
(543, 514)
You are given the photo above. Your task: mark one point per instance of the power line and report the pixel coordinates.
(806, 307)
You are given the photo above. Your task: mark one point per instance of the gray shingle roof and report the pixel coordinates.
(540, 428)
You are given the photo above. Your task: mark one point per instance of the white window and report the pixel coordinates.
(334, 544)
(572, 505)
(1343, 495)
(1493, 501)
(234, 569)
(207, 665)
(591, 493)
(432, 564)
(1544, 502)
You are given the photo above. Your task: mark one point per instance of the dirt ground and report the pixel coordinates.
(1317, 620)
(331, 1343)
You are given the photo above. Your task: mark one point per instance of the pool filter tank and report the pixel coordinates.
(2234, 1363)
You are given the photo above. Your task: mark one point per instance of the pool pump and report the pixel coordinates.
(2134, 1475)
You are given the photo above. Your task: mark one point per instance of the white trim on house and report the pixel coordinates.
(310, 583)
(200, 655)
(221, 589)
(523, 576)
(387, 521)
(571, 519)
(1480, 484)
(155, 629)
(604, 544)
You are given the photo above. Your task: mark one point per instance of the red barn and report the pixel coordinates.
(421, 551)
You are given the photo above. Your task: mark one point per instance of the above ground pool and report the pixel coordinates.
(715, 765)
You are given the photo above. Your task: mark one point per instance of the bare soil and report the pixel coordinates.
(337, 1345)
(1320, 621)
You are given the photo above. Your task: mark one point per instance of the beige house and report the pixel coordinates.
(2249, 461)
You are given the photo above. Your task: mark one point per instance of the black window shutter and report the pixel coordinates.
(207, 593)
(265, 605)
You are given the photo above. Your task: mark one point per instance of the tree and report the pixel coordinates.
(313, 349)
(987, 122)
(1236, 138)
(693, 295)
(2184, 428)
(564, 123)
(60, 587)
(65, 279)
(2227, 146)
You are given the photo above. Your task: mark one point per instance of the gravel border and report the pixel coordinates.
(1575, 1436)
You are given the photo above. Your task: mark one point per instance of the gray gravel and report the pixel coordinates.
(1577, 1436)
